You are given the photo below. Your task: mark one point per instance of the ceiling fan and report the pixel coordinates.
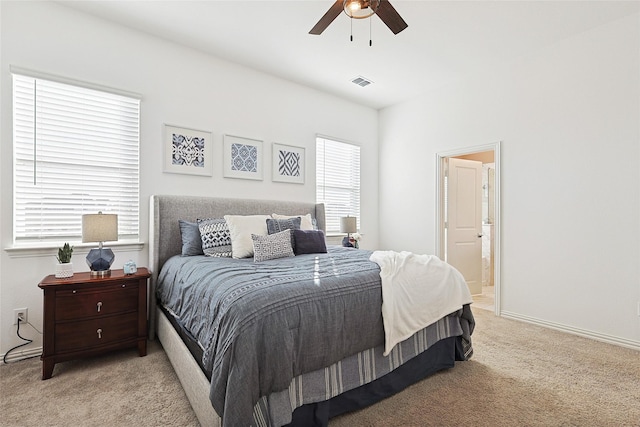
(358, 9)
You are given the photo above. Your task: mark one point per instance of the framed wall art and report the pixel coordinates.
(242, 157)
(288, 164)
(187, 151)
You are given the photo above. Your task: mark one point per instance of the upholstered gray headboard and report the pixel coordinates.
(164, 231)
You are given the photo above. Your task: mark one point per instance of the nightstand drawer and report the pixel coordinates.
(110, 299)
(90, 333)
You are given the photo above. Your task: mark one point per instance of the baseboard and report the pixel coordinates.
(610, 339)
(17, 355)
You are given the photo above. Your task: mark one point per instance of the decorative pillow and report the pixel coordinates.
(241, 227)
(215, 237)
(277, 225)
(272, 246)
(191, 240)
(309, 242)
(306, 222)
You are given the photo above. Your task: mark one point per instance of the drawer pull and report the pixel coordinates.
(99, 306)
(124, 286)
(99, 331)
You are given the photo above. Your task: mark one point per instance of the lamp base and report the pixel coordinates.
(346, 242)
(100, 273)
(99, 262)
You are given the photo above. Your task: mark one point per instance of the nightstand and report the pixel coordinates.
(86, 316)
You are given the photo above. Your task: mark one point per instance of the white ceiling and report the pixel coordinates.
(445, 40)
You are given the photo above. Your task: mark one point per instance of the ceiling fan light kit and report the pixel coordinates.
(359, 9)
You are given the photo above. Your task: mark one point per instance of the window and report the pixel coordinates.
(76, 151)
(338, 180)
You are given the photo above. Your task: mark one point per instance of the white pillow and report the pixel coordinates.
(306, 223)
(241, 227)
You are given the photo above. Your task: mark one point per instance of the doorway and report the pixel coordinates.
(468, 218)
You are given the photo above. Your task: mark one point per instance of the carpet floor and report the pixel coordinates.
(520, 375)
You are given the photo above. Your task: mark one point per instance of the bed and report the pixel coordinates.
(293, 340)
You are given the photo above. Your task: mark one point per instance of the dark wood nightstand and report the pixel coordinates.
(85, 316)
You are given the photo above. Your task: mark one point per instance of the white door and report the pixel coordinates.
(464, 220)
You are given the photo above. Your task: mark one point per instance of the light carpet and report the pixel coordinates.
(520, 375)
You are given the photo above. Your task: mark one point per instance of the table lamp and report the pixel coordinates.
(100, 228)
(348, 225)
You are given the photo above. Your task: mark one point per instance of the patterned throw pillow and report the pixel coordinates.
(306, 222)
(272, 246)
(216, 239)
(277, 225)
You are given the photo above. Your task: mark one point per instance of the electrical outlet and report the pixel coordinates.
(21, 313)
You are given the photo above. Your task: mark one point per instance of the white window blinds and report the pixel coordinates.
(338, 181)
(76, 151)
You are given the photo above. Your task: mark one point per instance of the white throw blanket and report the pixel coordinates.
(417, 290)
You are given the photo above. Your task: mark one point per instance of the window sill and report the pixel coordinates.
(42, 250)
(336, 234)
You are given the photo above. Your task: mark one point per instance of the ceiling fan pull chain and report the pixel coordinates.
(370, 42)
(351, 19)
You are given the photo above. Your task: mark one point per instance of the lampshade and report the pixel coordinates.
(348, 224)
(99, 227)
(360, 9)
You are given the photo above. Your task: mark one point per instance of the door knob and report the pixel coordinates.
(479, 235)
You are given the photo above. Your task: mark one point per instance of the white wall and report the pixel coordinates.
(179, 86)
(568, 118)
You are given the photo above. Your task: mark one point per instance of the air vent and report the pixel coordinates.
(361, 81)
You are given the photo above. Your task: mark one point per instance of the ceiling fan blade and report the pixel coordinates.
(390, 17)
(328, 18)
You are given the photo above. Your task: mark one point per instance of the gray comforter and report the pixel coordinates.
(258, 323)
